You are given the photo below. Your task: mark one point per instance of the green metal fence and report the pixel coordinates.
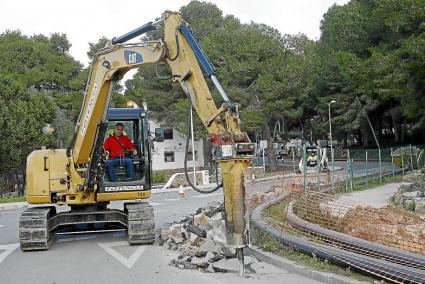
(359, 167)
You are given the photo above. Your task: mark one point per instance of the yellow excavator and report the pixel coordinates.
(76, 176)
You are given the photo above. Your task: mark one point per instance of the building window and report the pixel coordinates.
(189, 155)
(168, 133)
(168, 157)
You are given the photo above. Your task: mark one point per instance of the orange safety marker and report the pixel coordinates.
(181, 192)
(253, 181)
(293, 187)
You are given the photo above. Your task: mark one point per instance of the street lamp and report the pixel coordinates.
(311, 130)
(330, 134)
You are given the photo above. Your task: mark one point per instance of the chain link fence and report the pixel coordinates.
(360, 167)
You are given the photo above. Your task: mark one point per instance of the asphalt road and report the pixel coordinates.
(107, 258)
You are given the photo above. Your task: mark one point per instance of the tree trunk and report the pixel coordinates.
(21, 179)
(378, 128)
(302, 130)
(364, 129)
(403, 133)
(271, 154)
(395, 121)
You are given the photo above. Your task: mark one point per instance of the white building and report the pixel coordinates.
(170, 153)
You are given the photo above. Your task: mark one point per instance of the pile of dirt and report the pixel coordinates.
(388, 226)
(258, 198)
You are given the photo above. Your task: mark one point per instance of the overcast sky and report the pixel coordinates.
(87, 21)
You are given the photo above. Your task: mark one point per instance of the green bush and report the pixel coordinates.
(158, 177)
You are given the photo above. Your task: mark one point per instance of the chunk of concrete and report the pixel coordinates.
(201, 221)
(217, 233)
(195, 240)
(176, 233)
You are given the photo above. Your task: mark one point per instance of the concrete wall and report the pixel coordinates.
(176, 145)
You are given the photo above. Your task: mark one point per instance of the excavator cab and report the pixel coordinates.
(136, 128)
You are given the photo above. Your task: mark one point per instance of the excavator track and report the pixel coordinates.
(34, 228)
(141, 223)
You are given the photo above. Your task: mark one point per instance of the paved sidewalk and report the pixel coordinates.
(376, 197)
(13, 205)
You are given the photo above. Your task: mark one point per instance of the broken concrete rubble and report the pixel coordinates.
(174, 233)
(201, 221)
(411, 196)
(195, 230)
(200, 240)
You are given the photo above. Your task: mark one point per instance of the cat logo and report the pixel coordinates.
(132, 57)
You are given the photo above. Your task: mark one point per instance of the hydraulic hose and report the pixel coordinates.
(178, 47)
(193, 159)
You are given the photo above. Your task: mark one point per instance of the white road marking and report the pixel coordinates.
(8, 249)
(119, 234)
(10, 212)
(207, 195)
(1, 226)
(127, 262)
(171, 199)
(155, 203)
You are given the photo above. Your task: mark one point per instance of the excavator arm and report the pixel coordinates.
(232, 148)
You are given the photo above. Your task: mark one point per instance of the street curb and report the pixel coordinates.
(19, 205)
(293, 267)
(13, 205)
(185, 188)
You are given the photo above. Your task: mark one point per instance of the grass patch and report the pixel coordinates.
(269, 243)
(376, 182)
(12, 199)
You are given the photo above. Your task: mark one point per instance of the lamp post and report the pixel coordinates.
(330, 134)
(311, 130)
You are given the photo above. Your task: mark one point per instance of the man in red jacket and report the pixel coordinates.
(117, 145)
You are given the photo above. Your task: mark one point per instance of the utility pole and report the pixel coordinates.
(330, 134)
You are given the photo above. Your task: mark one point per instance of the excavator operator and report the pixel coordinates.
(312, 160)
(119, 147)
